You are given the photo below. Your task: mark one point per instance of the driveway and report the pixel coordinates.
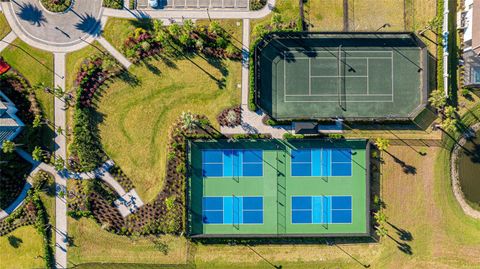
(57, 29)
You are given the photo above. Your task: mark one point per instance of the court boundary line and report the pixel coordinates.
(367, 94)
(223, 210)
(223, 163)
(331, 210)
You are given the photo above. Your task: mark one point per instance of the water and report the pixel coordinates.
(469, 170)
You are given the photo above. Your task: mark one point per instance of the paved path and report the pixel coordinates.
(7, 40)
(115, 53)
(251, 121)
(201, 13)
(60, 152)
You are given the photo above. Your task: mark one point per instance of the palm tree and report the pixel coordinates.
(37, 154)
(189, 121)
(437, 99)
(382, 143)
(37, 121)
(449, 111)
(449, 125)
(59, 163)
(8, 146)
(215, 28)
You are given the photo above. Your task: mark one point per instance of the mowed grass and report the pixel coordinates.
(288, 9)
(4, 27)
(19, 249)
(36, 66)
(325, 15)
(137, 119)
(92, 244)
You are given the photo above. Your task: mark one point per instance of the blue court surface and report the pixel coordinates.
(232, 163)
(321, 209)
(322, 162)
(232, 210)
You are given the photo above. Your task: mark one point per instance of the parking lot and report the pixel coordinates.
(195, 4)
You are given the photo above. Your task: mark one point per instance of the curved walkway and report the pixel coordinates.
(454, 172)
(64, 32)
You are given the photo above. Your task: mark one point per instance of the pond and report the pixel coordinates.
(469, 170)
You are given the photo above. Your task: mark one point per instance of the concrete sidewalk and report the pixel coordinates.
(200, 13)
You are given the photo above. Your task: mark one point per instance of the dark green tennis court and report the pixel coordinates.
(278, 188)
(341, 75)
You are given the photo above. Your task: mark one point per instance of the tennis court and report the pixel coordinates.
(278, 188)
(341, 75)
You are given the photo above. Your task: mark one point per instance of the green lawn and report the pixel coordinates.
(36, 66)
(4, 27)
(137, 119)
(288, 9)
(117, 30)
(19, 249)
(92, 244)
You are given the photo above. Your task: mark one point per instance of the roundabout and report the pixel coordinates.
(65, 31)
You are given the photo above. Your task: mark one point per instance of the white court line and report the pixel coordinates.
(309, 76)
(332, 57)
(337, 101)
(339, 76)
(368, 81)
(331, 94)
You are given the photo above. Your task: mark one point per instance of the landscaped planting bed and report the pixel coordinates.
(86, 152)
(230, 117)
(166, 214)
(180, 41)
(56, 5)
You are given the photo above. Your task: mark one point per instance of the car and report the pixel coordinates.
(153, 3)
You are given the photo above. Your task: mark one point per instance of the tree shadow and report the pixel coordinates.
(406, 168)
(404, 235)
(31, 13)
(14, 241)
(144, 23)
(88, 24)
(151, 67)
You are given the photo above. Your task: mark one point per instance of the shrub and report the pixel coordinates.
(117, 4)
(56, 5)
(292, 136)
(257, 4)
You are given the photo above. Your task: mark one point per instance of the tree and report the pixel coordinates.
(215, 28)
(437, 99)
(37, 121)
(449, 111)
(8, 146)
(59, 163)
(189, 121)
(37, 154)
(449, 125)
(382, 143)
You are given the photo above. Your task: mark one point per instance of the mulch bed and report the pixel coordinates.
(230, 117)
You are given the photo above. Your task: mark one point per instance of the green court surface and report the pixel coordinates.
(277, 188)
(355, 76)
